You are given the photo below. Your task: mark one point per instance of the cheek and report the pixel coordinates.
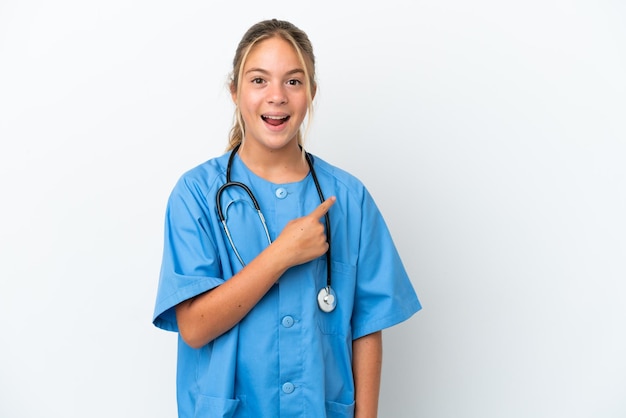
(249, 102)
(301, 101)
(302, 105)
(246, 108)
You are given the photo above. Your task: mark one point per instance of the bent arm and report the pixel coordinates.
(207, 316)
(367, 359)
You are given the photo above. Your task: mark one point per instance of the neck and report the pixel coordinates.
(284, 165)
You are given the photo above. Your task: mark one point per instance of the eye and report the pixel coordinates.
(294, 82)
(257, 80)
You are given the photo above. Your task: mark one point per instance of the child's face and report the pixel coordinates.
(272, 97)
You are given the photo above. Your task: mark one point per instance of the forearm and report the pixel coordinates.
(209, 315)
(367, 357)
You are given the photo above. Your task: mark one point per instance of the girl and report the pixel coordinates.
(278, 294)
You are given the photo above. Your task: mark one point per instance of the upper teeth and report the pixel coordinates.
(275, 117)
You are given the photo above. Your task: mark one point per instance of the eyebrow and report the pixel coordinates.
(261, 70)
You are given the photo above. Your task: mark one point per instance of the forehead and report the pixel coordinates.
(273, 52)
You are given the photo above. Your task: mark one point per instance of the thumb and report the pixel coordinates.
(321, 210)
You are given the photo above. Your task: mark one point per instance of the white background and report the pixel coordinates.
(492, 135)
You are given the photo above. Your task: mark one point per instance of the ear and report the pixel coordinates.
(313, 90)
(233, 92)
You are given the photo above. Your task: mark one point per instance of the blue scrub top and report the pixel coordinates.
(286, 358)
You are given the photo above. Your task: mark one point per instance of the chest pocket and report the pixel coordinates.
(343, 282)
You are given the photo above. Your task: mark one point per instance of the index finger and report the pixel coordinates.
(323, 208)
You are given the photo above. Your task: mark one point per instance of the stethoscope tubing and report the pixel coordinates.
(229, 183)
(326, 218)
(223, 219)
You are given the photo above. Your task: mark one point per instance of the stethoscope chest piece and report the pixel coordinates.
(326, 299)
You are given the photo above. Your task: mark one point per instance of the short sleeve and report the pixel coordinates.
(190, 263)
(384, 294)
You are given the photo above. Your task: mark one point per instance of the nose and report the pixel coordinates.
(277, 94)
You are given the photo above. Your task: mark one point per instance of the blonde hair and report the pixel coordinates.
(259, 32)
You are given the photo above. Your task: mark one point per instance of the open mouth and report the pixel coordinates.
(275, 120)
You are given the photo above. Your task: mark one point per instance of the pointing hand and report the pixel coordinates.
(304, 239)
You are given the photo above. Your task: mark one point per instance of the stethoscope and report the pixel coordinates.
(326, 298)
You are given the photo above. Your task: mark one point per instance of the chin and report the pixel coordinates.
(277, 145)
